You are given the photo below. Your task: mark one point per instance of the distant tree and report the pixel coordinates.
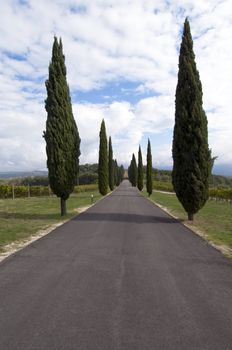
(111, 166)
(103, 161)
(61, 135)
(118, 176)
(134, 171)
(115, 172)
(191, 154)
(88, 168)
(88, 178)
(140, 170)
(122, 172)
(149, 182)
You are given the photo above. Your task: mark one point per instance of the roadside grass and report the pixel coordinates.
(22, 217)
(214, 220)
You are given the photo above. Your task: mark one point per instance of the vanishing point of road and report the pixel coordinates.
(121, 276)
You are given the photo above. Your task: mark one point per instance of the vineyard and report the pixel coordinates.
(19, 191)
(11, 191)
(214, 193)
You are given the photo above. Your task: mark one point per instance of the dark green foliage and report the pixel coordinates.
(111, 166)
(118, 173)
(121, 173)
(103, 161)
(118, 176)
(191, 154)
(88, 168)
(115, 172)
(149, 181)
(32, 181)
(140, 170)
(61, 135)
(88, 178)
(133, 171)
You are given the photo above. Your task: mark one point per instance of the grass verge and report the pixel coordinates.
(214, 220)
(23, 217)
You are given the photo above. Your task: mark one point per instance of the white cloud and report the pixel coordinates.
(105, 42)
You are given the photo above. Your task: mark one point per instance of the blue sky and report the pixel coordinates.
(122, 64)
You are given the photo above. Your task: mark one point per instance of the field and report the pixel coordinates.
(214, 220)
(22, 217)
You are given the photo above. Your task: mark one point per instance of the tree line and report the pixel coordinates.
(192, 160)
(136, 173)
(109, 173)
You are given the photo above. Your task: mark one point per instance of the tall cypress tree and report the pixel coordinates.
(103, 177)
(115, 172)
(149, 183)
(191, 154)
(111, 166)
(140, 170)
(61, 135)
(134, 171)
(122, 172)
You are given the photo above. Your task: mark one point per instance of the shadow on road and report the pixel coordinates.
(128, 218)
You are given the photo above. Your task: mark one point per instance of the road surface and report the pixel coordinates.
(121, 276)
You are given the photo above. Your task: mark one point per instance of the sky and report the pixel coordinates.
(122, 64)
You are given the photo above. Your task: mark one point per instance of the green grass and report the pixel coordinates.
(22, 217)
(214, 219)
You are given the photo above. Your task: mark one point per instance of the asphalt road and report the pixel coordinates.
(121, 276)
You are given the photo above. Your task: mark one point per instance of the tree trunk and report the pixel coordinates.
(190, 216)
(63, 206)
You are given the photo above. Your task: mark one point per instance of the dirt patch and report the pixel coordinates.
(13, 247)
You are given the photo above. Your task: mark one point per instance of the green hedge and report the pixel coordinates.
(220, 193)
(6, 191)
(85, 188)
(163, 186)
(214, 193)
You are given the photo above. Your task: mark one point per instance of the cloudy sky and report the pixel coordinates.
(122, 63)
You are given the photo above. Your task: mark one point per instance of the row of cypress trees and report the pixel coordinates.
(135, 173)
(192, 161)
(109, 173)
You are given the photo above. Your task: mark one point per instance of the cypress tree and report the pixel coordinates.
(61, 135)
(111, 166)
(191, 154)
(140, 170)
(134, 171)
(149, 183)
(118, 176)
(122, 172)
(115, 172)
(103, 161)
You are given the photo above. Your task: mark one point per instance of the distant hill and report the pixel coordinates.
(14, 174)
(88, 173)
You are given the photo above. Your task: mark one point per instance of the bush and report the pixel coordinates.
(88, 178)
(85, 188)
(5, 191)
(163, 186)
(220, 193)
